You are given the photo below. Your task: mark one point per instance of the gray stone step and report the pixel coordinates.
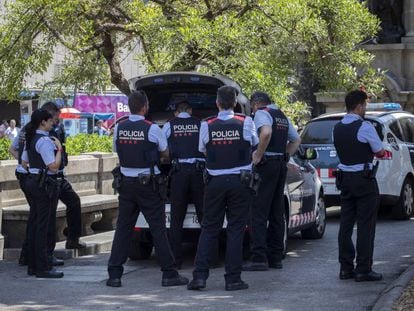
(96, 243)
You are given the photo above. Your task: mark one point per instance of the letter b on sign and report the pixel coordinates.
(121, 107)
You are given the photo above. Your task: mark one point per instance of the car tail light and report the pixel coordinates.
(137, 229)
(387, 156)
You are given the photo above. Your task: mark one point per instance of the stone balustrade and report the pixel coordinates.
(90, 176)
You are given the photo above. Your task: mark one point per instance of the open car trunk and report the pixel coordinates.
(166, 90)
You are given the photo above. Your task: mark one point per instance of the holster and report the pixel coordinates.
(206, 177)
(338, 178)
(175, 166)
(144, 179)
(200, 166)
(161, 182)
(251, 179)
(116, 183)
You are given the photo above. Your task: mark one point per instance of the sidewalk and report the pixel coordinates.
(399, 295)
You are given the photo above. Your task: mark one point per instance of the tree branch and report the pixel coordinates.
(117, 77)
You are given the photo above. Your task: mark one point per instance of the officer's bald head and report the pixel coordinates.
(226, 97)
(137, 101)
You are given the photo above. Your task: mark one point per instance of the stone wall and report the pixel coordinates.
(89, 174)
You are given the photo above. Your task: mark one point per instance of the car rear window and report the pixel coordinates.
(318, 132)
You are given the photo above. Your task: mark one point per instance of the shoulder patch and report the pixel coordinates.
(148, 122)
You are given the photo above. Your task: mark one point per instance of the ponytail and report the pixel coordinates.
(36, 119)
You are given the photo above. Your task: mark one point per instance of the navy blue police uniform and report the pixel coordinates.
(187, 184)
(44, 193)
(227, 141)
(268, 212)
(138, 142)
(356, 141)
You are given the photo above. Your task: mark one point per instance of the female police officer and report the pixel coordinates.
(44, 156)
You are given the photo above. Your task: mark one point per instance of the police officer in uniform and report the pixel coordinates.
(278, 140)
(44, 156)
(227, 141)
(67, 195)
(138, 143)
(16, 150)
(182, 133)
(356, 143)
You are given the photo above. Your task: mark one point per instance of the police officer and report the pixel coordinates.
(182, 133)
(138, 143)
(44, 156)
(278, 140)
(356, 143)
(227, 141)
(16, 150)
(67, 195)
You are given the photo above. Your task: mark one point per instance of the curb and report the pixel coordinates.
(392, 292)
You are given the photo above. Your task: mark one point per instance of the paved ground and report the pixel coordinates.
(309, 281)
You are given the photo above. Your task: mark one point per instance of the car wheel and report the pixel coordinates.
(317, 230)
(403, 210)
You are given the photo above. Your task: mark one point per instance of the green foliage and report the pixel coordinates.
(4, 149)
(82, 143)
(262, 44)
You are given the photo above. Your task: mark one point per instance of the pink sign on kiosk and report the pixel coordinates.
(117, 104)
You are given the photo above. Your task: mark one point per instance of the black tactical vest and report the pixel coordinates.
(35, 159)
(350, 150)
(183, 141)
(133, 146)
(226, 147)
(280, 129)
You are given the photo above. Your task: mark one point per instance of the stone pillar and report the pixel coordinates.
(408, 20)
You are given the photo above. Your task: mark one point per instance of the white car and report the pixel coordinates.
(395, 174)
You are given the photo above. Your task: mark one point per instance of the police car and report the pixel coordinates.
(303, 199)
(395, 174)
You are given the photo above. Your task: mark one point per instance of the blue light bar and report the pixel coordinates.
(384, 106)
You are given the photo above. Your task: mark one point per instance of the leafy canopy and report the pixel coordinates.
(262, 44)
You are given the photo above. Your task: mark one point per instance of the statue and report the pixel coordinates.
(390, 14)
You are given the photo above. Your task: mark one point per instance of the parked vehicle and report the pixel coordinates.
(304, 200)
(395, 174)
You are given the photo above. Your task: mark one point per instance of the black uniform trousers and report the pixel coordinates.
(73, 209)
(186, 186)
(133, 199)
(359, 202)
(73, 217)
(268, 209)
(43, 216)
(225, 195)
